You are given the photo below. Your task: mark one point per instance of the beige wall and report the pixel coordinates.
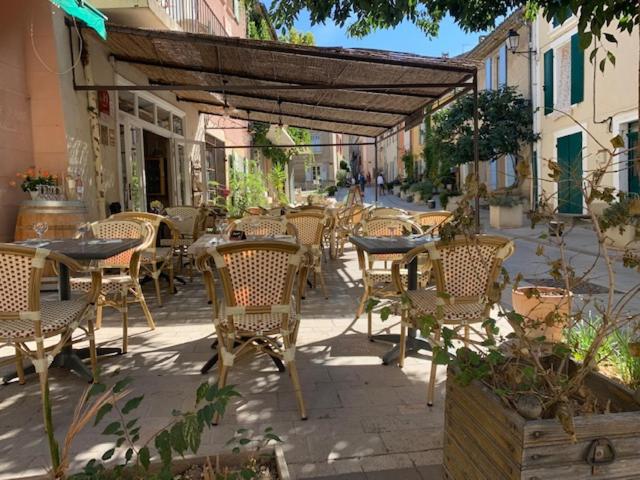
(616, 98)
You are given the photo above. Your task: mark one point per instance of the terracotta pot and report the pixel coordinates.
(546, 311)
(616, 239)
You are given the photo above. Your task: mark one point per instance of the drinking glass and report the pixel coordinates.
(40, 228)
(82, 229)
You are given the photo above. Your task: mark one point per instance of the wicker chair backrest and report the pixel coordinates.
(111, 229)
(431, 221)
(309, 226)
(386, 212)
(184, 218)
(260, 226)
(16, 278)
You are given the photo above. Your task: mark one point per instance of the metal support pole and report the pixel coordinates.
(476, 152)
(375, 169)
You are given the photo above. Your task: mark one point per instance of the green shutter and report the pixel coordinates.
(569, 155)
(548, 82)
(577, 70)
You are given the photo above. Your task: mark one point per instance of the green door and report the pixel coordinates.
(569, 150)
(634, 178)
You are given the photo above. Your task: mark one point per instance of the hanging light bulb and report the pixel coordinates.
(280, 113)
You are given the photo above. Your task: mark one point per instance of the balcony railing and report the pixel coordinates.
(194, 16)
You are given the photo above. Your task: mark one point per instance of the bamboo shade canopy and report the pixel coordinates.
(342, 90)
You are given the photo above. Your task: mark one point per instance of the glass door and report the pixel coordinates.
(132, 168)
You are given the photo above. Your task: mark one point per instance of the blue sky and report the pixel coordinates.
(405, 38)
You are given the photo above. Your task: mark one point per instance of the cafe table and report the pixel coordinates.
(84, 252)
(397, 245)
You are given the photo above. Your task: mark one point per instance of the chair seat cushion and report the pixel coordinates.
(423, 302)
(110, 283)
(258, 322)
(55, 316)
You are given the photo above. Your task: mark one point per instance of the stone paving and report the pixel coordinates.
(366, 420)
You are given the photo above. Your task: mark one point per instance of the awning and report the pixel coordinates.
(82, 10)
(354, 91)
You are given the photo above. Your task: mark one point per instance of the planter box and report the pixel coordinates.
(620, 240)
(396, 190)
(483, 439)
(225, 460)
(505, 217)
(417, 197)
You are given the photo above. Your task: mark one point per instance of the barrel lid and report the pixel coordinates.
(52, 203)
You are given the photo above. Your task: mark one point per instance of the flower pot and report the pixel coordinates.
(33, 194)
(505, 217)
(546, 311)
(617, 238)
(417, 197)
(485, 439)
(396, 189)
(431, 203)
(452, 202)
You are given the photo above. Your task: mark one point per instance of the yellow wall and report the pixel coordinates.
(616, 98)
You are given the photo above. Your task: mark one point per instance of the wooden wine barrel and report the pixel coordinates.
(61, 216)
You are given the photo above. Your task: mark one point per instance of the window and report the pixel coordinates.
(315, 140)
(564, 76)
(502, 66)
(146, 110)
(127, 102)
(236, 9)
(423, 133)
(178, 125)
(488, 74)
(164, 118)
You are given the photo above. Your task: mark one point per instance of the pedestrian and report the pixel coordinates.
(380, 182)
(368, 178)
(361, 180)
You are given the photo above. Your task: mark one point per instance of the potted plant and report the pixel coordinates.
(620, 220)
(545, 311)
(422, 190)
(32, 179)
(404, 189)
(505, 210)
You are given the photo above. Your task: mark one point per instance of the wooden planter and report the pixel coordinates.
(505, 217)
(226, 460)
(483, 439)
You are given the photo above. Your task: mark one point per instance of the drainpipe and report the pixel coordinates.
(534, 177)
(375, 168)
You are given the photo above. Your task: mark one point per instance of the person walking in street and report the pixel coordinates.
(361, 181)
(380, 182)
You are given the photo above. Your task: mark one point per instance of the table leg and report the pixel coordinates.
(413, 344)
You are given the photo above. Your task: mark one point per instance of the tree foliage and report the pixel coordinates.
(505, 124)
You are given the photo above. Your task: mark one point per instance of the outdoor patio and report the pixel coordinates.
(364, 419)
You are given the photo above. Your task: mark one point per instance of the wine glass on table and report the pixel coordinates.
(40, 228)
(81, 231)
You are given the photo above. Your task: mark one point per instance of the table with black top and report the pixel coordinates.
(82, 251)
(397, 245)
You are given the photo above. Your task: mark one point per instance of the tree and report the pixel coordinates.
(505, 125)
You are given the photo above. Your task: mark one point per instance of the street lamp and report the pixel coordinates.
(513, 40)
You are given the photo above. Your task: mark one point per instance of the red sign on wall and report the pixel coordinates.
(103, 102)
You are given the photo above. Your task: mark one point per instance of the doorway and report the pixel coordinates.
(156, 167)
(569, 155)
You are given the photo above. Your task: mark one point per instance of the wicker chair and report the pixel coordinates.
(387, 212)
(310, 227)
(258, 310)
(155, 260)
(262, 226)
(432, 221)
(120, 290)
(466, 270)
(377, 279)
(347, 222)
(25, 318)
(185, 219)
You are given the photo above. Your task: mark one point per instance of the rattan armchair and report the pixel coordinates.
(310, 228)
(258, 310)
(185, 218)
(123, 288)
(262, 226)
(347, 222)
(377, 279)
(155, 260)
(432, 221)
(466, 271)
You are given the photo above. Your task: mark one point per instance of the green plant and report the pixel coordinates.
(425, 188)
(33, 178)
(278, 181)
(404, 187)
(444, 199)
(624, 211)
(344, 165)
(331, 190)
(408, 162)
(248, 189)
(506, 199)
